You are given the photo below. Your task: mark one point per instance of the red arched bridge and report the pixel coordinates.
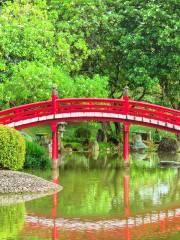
(91, 109)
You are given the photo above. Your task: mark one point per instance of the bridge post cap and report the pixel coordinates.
(54, 90)
(125, 91)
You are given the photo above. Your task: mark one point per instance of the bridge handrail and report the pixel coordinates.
(91, 100)
(115, 109)
(118, 106)
(154, 106)
(102, 100)
(24, 107)
(120, 101)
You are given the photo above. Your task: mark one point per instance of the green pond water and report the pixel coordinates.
(101, 200)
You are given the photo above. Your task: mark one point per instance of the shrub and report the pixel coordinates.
(36, 156)
(83, 133)
(12, 148)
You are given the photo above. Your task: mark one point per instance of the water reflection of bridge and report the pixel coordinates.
(156, 223)
(161, 222)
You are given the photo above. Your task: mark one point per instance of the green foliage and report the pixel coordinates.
(12, 220)
(83, 133)
(85, 46)
(34, 55)
(36, 156)
(12, 148)
(32, 81)
(76, 146)
(91, 87)
(131, 42)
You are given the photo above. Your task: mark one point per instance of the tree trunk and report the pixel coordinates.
(117, 128)
(178, 138)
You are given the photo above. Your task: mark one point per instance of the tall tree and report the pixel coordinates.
(132, 42)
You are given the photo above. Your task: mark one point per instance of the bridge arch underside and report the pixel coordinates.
(95, 116)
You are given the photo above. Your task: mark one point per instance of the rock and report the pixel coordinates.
(168, 145)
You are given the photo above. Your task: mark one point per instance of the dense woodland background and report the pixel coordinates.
(89, 48)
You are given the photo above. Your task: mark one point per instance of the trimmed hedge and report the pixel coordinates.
(36, 156)
(12, 148)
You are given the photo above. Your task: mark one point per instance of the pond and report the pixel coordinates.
(101, 200)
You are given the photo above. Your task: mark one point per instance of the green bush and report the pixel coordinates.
(12, 220)
(12, 148)
(36, 156)
(82, 133)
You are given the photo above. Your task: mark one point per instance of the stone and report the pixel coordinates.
(168, 145)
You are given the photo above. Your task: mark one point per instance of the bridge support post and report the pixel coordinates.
(126, 144)
(126, 127)
(54, 129)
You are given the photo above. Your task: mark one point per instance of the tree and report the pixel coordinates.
(131, 42)
(34, 55)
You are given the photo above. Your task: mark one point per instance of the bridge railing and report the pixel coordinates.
(154, 112)
(132, 108)
(89, 105)
(123, 106)
(26, 111)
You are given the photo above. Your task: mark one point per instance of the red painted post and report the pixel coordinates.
(126, 98)
(54, 98)
(126, 143)
(126, 126)
(54, 126)
(54, 129)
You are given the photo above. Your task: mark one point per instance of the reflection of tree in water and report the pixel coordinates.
(85, 161)
(90, 193)
(12, 219)
(175, 186)
(169, 156)
(115, 161)
(147, 188)
(117, 197)
(74, 160)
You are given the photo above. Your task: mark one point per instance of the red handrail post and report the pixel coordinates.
(54, 99)
(54, 127)
(126, 100)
